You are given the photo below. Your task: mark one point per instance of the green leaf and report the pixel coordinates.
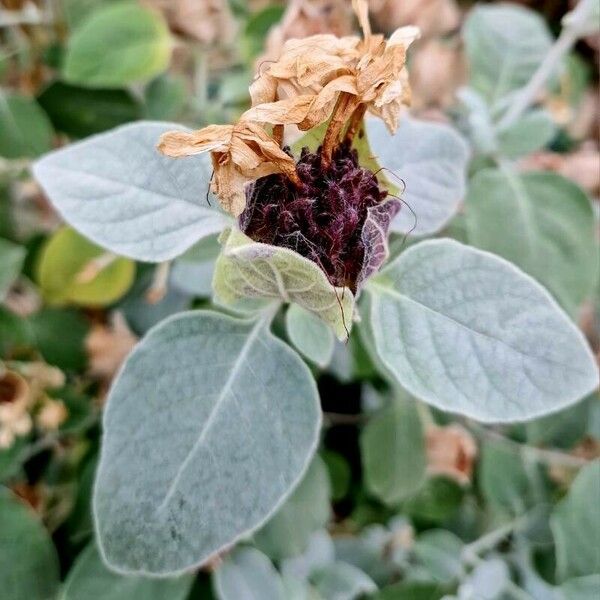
(504, 45)
(15, 332)
(340, 474)
(540, 221)
(11, 262)
(66, 325)
(436, 501)
(487, 581)
(393, 452)
(411, 590)
(166, 97)
(503, 479)
(248, 269)
(28, 561)
(288, 532)
(531, 132)
(431, 160)
(469, 333)
(77, 11)
(192, 273)
(118, 45)
(247, 574)
(576, 526)
(580, 588)
(208, 428)
(80, 112)
(25, 130)
(89, 578)
(440, 552)
(310, 335)
(63, 261)
(119, 192)
(341, 581)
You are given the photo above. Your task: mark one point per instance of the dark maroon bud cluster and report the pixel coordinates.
(338, 217)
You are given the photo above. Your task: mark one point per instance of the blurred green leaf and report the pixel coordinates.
(65, 258)
(11, 262)
(68, 326)
(580, 588)
(28, 560)
(80, 112)
(411, 590)
(117, 45)
(25, 130)
(504, 46)
(166, 97)
(257, 27)
(437, 500)
(288, 532)
(576, 526)
(90, 579)
(440, 553)
(341, 581)
(540, 221)
(393, 451)
(531, 132)
(340, 473)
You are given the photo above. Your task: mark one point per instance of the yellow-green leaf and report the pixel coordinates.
(74, 270)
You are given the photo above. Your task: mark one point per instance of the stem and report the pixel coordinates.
(159, 287)
(95, 266)
(542, 455)
(355, 122)
(344, 108)
(566, 40)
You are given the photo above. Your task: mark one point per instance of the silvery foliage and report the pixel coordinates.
(212, 421)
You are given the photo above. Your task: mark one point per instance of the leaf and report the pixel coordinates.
(166, 97)
(503, 479)
(193, 272)
(247, 574)
(533, 131)
(393, 451)
(117, 45)
(440, 552)
(487, 581)
(11, 262)
(469, 333)
(431, 160)
(209, 427)
(248, 269)
(25, 130)
(340, 474)
(288, 532)
(411, 590)
(504, 46)
(320, 551)
(28, 561)
(540, 221)
(436, 501)
(89, 578)
(310, 335)
(118, 191)
(80, 112)
(576, 526)
(580, 588)
(341, 581)
(68, 326)
(64, 260)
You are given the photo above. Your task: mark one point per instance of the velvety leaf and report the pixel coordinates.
(576, 526)
(89, 578)
(431, 160)
(117, 45)
(248, 269)
(11, 262)
(288, 532)
(247, 574)
(341, 581)
(320, 551)
(118, 191)
(469, 333)
(580, 588)
(504, 45)
(193, 272)
(310, 335)
(440, 552)
(25, 131)
(80, 112)
(393, 451)
(540, 221)
(487, 581)
(533, 131)
(205, 410)
(28, 560)
(62, 263)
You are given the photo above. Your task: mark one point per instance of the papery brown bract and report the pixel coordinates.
(338, 217)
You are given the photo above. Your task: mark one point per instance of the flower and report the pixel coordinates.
(15, 398)
(51, 415)
(239, 152)
(451, 451)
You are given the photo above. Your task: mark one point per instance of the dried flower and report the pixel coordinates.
(15, 399)
(239, 153)
(451, 451)
(108, 346)
(51, 415)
